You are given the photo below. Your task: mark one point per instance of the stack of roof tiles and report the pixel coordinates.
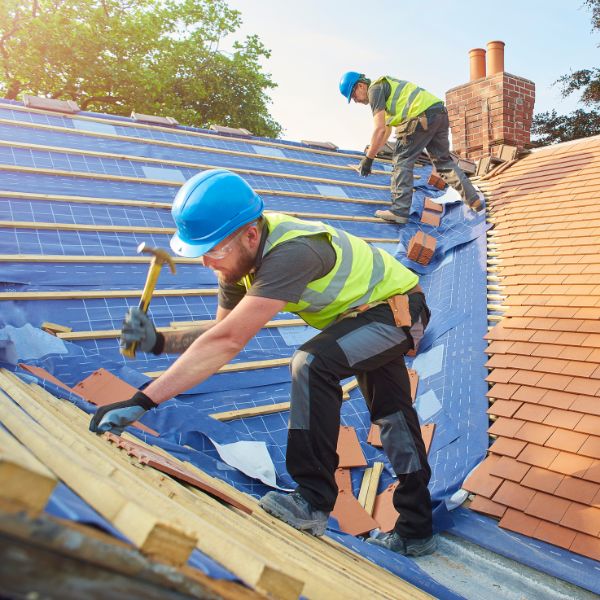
(542, 475)
(421, 248)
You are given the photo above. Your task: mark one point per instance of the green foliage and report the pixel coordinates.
(157, 57)
(549, 127)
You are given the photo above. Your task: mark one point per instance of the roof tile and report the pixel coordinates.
(572, 353)
(586, 545)
(558, 399)
(578, 369)
(536, 433)
(555, 534)
(507, 446)
(513, 495)
(532, 412)
(487, 506)
(591, 447)
(569, 441)
(571, 464)
(525, 377)
(577, 489)
(515, 520)
(587, 424)
(580, 385)
(582, 518)
(508, 468)
(480, 481)
(550, 365)
(562, 418)
(547, 507)
(539, 456)
(593, 471)
(527, 393)
(586, 404)
(505, 427)
(542, 480)
(500, 375)
(503, 408)
(554, 382)
(502, 391)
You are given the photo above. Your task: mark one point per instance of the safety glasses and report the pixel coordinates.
(223, 251)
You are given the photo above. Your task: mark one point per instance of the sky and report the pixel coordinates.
(312, 42)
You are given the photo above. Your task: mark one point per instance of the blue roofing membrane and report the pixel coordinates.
(452, 385)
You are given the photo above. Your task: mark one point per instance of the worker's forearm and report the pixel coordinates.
(177, 342)
(378, 140)
(203, 358)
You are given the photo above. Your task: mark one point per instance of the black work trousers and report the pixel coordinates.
(371, 347)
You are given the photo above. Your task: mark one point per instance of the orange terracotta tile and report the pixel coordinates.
(555, 534)
(498, 347)
(343, 479)
(526, 363)
(487, 507)
(505, 427)
(351, 516)
(588, 424)
(586, 404)
(572, 339)
(591, 447)
(538, 456)
(513, 495)
(532, 412)
(480, 481)
(546, 350)
(545, 337)
(542, 480)
(554, 382)
(550, 365)
(593, 471)
(577, 490)
(383, 511)
(349, 450)
(508, 468)
(502, 391)
(587, 546)
(571, 464)
(557, 399)
(547, 507)
(527, 393)
(569, 441)
(581, 385)
(507, 447)
(524, 348)
(515, 520)
(500, 375)
(596, 373)
(534, 433)
(526, 378)
(578, 369)
(585, 519)
(563, 418)
(572, 353)
(43, 374)
(503, 408)
(499, 361)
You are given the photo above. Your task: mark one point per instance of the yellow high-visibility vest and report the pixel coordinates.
(406, 100)
(361, 274)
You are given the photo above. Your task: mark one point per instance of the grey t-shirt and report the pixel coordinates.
(284, 272)
(378, 94)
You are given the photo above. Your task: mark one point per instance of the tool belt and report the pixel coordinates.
(405, 129)
(399, 304)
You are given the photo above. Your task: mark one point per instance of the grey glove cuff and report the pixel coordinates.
(159, 345)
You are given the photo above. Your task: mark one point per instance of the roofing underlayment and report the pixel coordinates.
(78, 193)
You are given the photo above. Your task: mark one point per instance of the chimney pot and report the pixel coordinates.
(495, 57)
(477, 63)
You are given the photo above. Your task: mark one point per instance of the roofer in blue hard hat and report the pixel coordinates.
(369, 307)
(421, 122)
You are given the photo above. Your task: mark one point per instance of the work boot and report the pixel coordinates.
(390, 217)
(296, 511)
(405, 546)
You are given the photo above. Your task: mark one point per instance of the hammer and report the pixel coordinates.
(159, 258)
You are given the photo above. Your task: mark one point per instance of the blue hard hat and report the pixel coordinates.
(347, 83)
(209, 207)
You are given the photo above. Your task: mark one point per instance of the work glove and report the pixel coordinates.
(364, 168)
(115, 417)
(139, 328)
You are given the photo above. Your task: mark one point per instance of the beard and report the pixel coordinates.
(243, 266)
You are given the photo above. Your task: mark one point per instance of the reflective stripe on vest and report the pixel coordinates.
(361, 274)
(406, 100)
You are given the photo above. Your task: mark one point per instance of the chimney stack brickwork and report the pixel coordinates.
(491, 111)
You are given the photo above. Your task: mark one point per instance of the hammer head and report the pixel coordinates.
(160, 256)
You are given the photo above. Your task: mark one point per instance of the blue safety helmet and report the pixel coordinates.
(348, 81)
(209, 207)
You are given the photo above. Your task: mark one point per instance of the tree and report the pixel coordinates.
(151, 56)
(549, 127)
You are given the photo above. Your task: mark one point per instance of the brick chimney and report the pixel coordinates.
(492, 109)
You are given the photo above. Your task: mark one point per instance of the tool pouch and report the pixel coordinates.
(400, 306)
(406, 129)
